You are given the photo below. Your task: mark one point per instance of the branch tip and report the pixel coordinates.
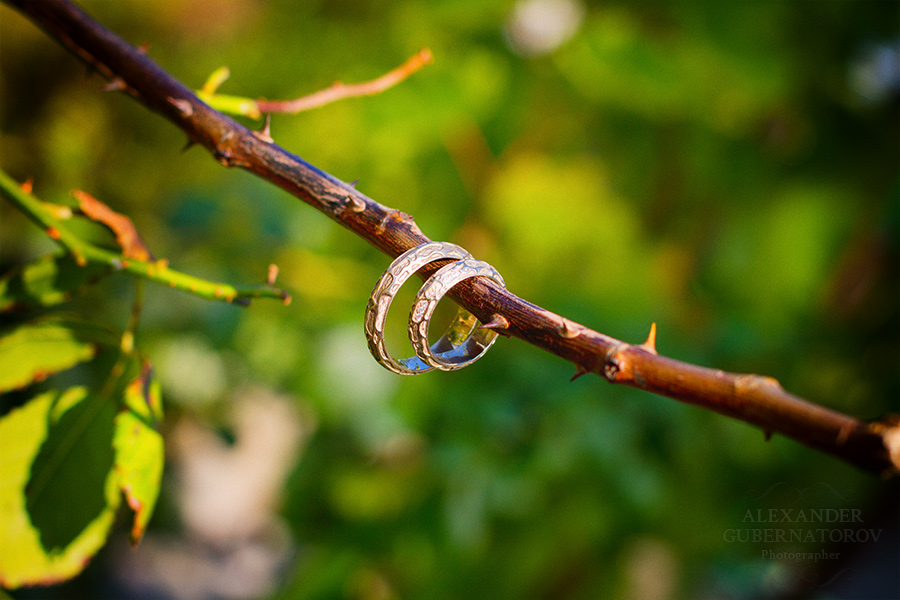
(216, 79)
(891, 437)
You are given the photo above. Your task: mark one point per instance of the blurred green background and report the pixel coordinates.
(728, 171)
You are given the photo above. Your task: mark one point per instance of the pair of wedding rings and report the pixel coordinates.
(462, 344)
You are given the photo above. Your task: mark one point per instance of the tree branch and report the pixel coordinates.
(757, 400)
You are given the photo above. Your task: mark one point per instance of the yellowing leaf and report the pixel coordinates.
(139, 449)
(23, 559)
(33, 352)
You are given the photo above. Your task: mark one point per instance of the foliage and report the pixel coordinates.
(724, 171)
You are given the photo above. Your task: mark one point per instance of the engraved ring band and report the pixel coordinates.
(476, 344)
(462, 344)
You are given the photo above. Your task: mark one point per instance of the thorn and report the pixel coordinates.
(384, 222)
(144, 48)
(286, 298)
(272, 274)
(579, 371)
(844, 433)
(354, 182)
(183, 106)
(265, 134)
(27, 185)
(224, 157)
(190, 143)
(567, 331)
(650, 344)
(768, 434)
(357, 204)
(116, 84)
(497, 322)
(53, 233)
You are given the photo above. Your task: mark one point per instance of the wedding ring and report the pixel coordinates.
(466, 350)
(403, 267)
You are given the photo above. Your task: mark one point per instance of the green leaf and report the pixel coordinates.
(47, 281)
(139, 448)
(64, 458)
(36, 350)
(27, 451)
(70, 470)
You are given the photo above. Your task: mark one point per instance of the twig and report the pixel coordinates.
(249, 107)
(158, 271)
(749, 398)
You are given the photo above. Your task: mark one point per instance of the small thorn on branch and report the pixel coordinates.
(394, 214)
(144, 48)
(183, 106)
(27, 185)
(116, 84)
(567, 330)
(356, 204)
(188, 145)
(843, 434)
(354, 182)
(579, 371)
(768, 434)
(650, 344)
(272, 274)
(265, 134)
(498, 323)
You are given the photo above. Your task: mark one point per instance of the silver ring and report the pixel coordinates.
(403, 267)
(466, 350)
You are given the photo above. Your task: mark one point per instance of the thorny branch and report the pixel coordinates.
(757, 400)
